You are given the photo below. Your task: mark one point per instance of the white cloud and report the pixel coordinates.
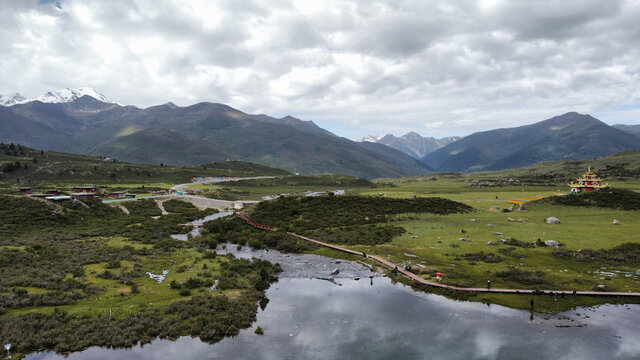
(355, 67)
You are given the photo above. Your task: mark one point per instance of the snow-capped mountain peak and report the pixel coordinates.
(57, 96)
(11, 99)
(372, 138)
(68, 95)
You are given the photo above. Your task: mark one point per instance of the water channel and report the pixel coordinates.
(315, 315)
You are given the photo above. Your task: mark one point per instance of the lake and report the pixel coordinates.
(310, 317)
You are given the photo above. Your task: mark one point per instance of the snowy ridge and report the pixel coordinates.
(11, 99)
(372, 138)
(57, 96)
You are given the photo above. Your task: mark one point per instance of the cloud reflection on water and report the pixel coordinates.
(316, 319)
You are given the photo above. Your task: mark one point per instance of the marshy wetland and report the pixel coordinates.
(68, 266)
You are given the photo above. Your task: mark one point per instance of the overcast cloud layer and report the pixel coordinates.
(354, 67)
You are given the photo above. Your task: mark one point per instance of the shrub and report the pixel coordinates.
(481, 256)
(523, 276)
(113, 264)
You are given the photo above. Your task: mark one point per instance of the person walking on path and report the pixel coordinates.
(489, 285)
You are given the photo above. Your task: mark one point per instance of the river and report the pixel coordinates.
(309, 317)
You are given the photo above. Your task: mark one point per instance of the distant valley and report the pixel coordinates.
(412, 144)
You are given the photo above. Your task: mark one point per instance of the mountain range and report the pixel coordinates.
(569, 136)
(631, 129)
(84, 121)
(412, 144)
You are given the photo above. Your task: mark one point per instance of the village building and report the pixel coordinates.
(191, 192)
(117, 195)
(83, 195)
(26, 190)
(589, 181)
(85, 189)
(58, 198)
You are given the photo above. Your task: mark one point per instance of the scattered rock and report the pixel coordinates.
(335, 272)
(414, 237)
(356, 278)
(601, 287)
(489, 225)
(638, 272)
(552, 220)
(338, 261)
(511, 219)
(473, 220)
(491, 243)
(78, 202)
(521, 207)
(552, 243)
(498, 233)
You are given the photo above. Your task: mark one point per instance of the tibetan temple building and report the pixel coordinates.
(589, 181)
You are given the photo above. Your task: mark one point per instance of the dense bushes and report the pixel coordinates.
(481, 256)
(628, 253)
(306, 213)
(46, 266)
(143, 208)
(609, 198)
(208, 317)
(236, 231)
(523, 276)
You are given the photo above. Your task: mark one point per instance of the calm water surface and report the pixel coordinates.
(311, 318)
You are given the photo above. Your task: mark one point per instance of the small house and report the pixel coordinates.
(25, 190)
(192, 191)
(116, 195)
(130, 196)
(83, 195)
(53, 192)
(86, 189)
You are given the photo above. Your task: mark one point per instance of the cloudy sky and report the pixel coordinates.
(354, 67)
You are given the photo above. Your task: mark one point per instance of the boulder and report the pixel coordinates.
(521, 207)
(78, 202)
(638, 272)
(552, 220)
(491, 243)
(552, 243)
(335, 272)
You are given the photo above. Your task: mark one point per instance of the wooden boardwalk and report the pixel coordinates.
(423, 281)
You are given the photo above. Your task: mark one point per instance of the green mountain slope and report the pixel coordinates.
(569, 136)
(160, 146)
(200, 133)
